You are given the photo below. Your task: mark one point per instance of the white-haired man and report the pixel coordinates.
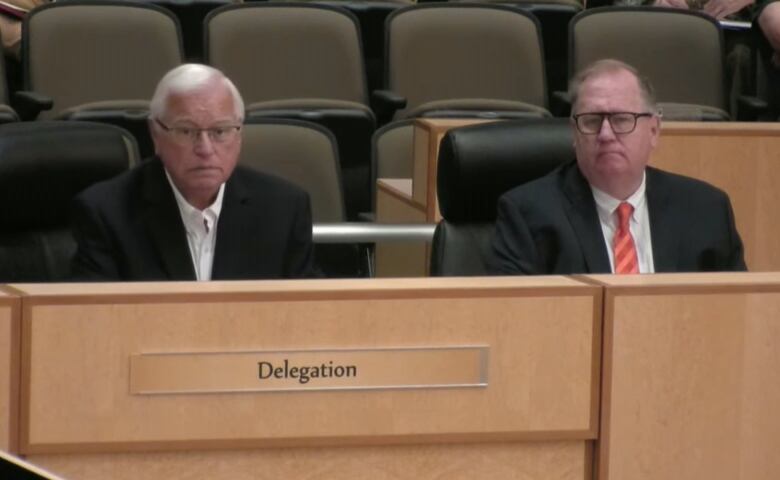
(190, 213)
(609, 211)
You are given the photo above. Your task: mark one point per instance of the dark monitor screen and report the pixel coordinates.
(14, 468)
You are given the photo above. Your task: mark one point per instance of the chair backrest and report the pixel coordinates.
(43, 165)
(477, 164)
(7, 114)
(393, 150)
(191, 15)
(465, 57)
(302, 152)
(288, 51)
(98, 52)
(680, 51)
(306, 154)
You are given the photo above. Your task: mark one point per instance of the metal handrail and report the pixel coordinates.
(357, 232)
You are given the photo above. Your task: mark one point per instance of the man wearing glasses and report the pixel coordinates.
(608, 211)
(190, 213)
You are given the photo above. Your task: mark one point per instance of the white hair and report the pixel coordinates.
(191, 77)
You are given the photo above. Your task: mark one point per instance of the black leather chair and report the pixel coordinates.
(43, 165)
(477, 164)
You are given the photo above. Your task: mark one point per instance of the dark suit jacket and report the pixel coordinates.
(130, 228)
(551, 226)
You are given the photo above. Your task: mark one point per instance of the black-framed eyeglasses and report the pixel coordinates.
(590, 123)
(190, 135)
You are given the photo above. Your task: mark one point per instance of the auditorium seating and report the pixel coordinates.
(191, 15)
(306, 154)
(97, 61)
(43, 165)
(477, 164)
(456, 60)
(302, 152)
(680, 51)
(301, 61)
(392, 151)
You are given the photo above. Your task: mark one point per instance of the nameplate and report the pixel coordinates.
(273, 371)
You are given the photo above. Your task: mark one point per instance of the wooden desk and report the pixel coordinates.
(536, 418)
(9, 369)
(743, 159)
(395, 204)
(690, 377)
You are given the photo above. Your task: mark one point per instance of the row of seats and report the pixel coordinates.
(440, 57)
(100, 61)
(43, 165)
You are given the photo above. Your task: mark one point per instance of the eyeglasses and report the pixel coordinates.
(190, 135)
(621, 122)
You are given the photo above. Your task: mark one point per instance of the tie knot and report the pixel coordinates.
(624, 212)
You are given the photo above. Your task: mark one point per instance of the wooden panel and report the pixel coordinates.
(690, 386)
(543, 367)
(9, 372)
(495, 461)
(744, 160)
(402, 259)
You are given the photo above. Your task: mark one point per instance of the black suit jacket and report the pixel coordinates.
(551, 226)
(130, 228)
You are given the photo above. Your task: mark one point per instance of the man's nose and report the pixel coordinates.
(203, 142)
(605, 131)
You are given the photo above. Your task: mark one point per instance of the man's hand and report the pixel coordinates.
(719, 9)
(769, 20)
(672, 4)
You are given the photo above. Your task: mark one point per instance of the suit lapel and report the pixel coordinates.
(235, 232)
(663, 231)
(163, 220)
(581, 211)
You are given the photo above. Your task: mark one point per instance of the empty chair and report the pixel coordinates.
(305, 154)
(301, 152)
(477, 164)
(456, 60)
(392, 153)
(371, 15)
(554, 17)
(680, 51)
(301, 61)
(191, 15)
(43, 165)
(98, 60)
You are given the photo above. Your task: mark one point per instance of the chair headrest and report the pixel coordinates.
(43, 165)
(478, 163)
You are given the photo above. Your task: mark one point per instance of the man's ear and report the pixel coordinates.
(655, 129)
(153, 133)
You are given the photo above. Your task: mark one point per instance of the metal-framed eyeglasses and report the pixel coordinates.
(190, 135)
(590, 123)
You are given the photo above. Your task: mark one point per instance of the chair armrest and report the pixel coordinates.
(29, 104)
(750, 108)
(385, 103)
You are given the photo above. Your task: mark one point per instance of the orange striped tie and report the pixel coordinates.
(623, 243)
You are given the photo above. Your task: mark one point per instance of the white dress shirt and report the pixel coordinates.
(201, 228)
(606, 206)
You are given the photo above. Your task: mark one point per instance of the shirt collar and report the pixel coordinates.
(606, 204)
(192, 215)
